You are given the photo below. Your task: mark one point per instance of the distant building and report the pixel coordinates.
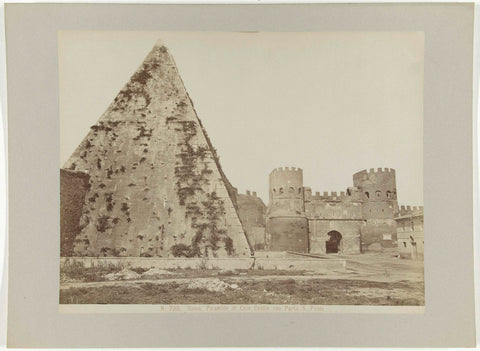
(410, 232)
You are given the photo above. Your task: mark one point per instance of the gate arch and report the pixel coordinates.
(334, 242)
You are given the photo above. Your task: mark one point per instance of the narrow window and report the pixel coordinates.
(367, 194)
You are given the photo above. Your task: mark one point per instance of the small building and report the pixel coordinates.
(410, 232)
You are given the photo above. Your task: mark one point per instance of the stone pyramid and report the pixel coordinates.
(155, 185)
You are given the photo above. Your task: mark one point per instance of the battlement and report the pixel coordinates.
(253, 193)
(377, 170)
(286, 169)
(329, 196)
(406, 210)
(286, 177)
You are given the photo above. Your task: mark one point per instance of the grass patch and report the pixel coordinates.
(76, 270)
(251, 291)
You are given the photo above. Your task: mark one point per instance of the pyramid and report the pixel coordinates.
(155, 184)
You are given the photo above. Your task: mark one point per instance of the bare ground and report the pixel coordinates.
(370, 279)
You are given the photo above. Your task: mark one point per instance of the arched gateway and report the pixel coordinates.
(333, 244)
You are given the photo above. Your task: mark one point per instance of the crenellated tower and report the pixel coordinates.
(379, 207)
(286, 190)
(287, 225)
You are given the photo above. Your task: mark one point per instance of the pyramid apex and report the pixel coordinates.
(159, 43)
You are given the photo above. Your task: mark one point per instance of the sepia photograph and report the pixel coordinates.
(294, 169)
(241, 168)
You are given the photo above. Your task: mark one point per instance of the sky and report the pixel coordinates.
(331, 103)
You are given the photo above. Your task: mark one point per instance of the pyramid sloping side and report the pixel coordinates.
(156, 188)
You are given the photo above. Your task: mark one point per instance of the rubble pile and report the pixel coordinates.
(213, 285)
(124, 274)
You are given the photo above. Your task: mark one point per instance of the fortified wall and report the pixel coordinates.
(379, 205)
(251, 211)
(287, 224)
(358, 219)
(74, 186)
(410, 210)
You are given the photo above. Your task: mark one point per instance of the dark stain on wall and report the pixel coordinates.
(73, 188)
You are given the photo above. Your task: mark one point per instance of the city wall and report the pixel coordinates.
(349, 229)
(290, 264)
(73, 188)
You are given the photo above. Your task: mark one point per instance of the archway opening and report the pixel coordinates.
(332, 245)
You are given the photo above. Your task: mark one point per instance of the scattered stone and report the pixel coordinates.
(124, 274)
(156, 273)
(213, 285)
(228, 272)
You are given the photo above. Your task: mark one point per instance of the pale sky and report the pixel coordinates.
(330, 103)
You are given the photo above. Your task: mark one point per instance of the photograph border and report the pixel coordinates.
(33, 146)
(386, 52)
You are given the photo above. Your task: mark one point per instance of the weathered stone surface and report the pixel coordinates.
(156, 185)
(410, 234)
(286, 223)
(73, 188)
(251, 210)
(360, 218)
(288, 234)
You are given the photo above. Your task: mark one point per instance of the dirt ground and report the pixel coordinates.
(369, 279)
